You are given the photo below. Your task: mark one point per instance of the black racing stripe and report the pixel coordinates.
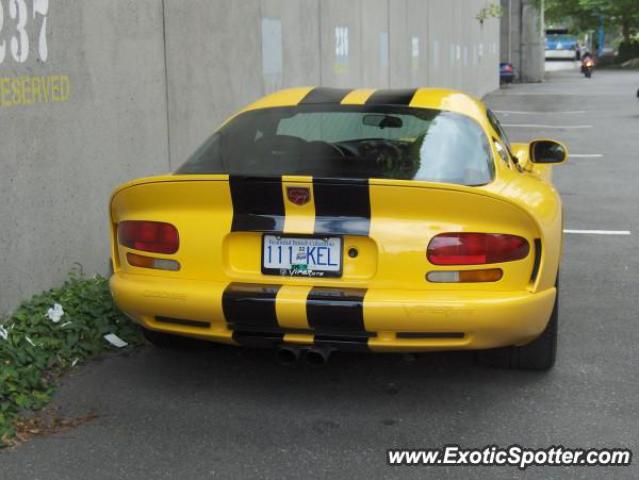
(342, 207)
(336, 311)
(258, 205)
(249, 309)
(321, 95)
(391, 97)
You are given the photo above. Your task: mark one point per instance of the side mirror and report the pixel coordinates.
(547, 152)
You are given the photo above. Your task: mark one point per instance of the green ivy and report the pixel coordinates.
(37, 350)
(492, 10)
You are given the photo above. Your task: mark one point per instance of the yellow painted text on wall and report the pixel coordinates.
(31, 90)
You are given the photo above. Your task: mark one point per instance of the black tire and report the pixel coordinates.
(540, 354)
(588, 74)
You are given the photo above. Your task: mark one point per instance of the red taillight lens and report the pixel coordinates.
(508, 68)
(476, 248)
(155, 237)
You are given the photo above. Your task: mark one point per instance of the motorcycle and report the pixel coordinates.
(587, 66)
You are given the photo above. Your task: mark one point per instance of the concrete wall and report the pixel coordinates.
(76, 119)
(342, 43)
(126, 88)
(522, 39)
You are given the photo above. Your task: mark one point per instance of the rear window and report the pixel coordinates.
(563, 41)
(348, 142)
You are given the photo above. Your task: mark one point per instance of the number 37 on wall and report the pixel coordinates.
(16, 41)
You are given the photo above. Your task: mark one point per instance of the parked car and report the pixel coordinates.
(506, 72)
(321, 219)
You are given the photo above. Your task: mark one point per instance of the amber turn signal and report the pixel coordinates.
(143, 261)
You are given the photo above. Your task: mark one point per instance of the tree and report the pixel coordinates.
(570, 11)
(624, 13)
(584, 14)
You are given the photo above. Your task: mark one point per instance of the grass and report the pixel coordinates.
(35, 350)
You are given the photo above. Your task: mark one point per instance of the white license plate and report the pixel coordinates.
(302, 256)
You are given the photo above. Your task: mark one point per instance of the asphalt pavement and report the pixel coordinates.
(231, 413)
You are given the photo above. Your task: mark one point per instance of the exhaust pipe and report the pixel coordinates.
(316, 357)
(287, 355)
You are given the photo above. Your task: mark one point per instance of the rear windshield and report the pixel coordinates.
(348, 142)
(567, 41)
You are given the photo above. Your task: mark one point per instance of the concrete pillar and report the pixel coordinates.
(522, 39)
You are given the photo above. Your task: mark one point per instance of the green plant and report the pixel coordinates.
(492, 10)
(35, 350)
(585, 15)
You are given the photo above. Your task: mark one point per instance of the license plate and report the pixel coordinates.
(302, 256)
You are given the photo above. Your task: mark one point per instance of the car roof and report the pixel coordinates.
(432, 98)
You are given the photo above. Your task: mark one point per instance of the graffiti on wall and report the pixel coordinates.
(22, 21)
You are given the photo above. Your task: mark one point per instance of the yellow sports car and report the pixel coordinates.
(322, 219)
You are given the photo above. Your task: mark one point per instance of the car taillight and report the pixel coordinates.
(157, 237)
(508, 68)
(476, 248)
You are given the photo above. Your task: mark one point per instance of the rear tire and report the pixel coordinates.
(540, 354)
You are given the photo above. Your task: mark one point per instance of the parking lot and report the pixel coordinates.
(230, 413)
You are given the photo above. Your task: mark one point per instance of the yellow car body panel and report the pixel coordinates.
(385, 284)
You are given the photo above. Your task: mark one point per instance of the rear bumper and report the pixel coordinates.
(348, 319)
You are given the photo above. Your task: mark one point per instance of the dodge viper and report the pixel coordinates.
(322, 219)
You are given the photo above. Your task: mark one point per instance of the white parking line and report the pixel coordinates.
(599, 232)
(585, 155)
(550, 127)
(515, 112)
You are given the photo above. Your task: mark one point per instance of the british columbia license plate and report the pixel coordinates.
(302, 256)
